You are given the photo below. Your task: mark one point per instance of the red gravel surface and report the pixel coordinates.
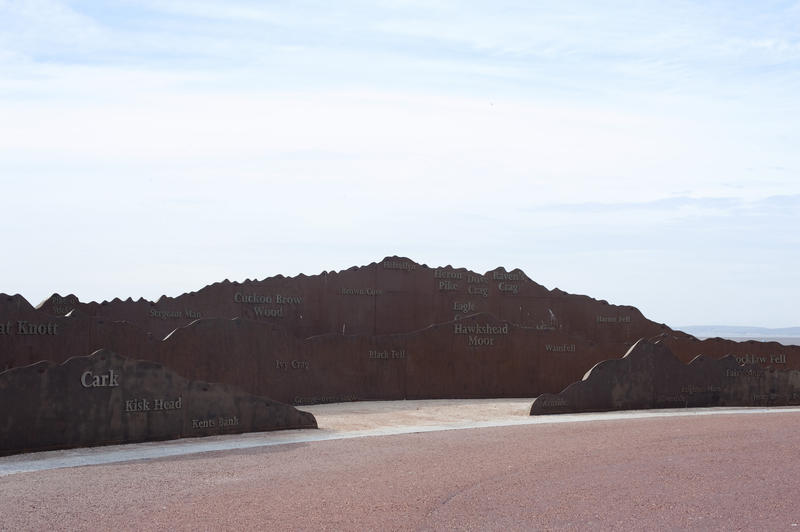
(702, 472)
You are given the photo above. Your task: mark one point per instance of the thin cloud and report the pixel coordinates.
(601, 147)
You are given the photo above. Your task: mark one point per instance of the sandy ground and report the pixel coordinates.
(725, 469)
(372, 415)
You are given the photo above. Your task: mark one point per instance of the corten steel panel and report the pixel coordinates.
(650, 376)
(309, 338)
(106, 398)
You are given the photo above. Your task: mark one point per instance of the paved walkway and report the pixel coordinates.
(717, 469)
(352, 420)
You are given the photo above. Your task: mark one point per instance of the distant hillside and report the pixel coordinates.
(784, 335)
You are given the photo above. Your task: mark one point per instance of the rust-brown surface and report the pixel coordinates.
(650, 376)
(106, 398)
(387, 330)
(714, 472)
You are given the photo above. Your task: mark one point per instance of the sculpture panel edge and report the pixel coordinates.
(105, 398)
(650, 376)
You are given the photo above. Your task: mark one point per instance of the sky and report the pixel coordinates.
(646, 153)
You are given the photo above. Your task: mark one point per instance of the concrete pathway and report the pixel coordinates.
(720, 469)
(351, 420)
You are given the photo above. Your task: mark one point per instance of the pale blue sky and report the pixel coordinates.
(645, 153)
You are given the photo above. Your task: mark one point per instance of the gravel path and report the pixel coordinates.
(734, 471)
